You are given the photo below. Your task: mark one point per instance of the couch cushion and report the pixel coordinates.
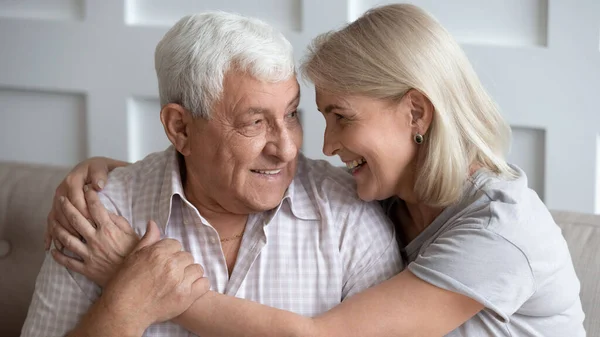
(582, 232)
(25, 199)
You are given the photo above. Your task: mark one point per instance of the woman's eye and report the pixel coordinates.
(338, 117)
(257, 122)
(293, 114)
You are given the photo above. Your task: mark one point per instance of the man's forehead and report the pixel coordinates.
(263, 99)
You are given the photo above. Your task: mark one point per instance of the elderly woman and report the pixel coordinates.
(407, 114)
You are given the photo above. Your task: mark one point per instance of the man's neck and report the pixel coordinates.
(225, 222)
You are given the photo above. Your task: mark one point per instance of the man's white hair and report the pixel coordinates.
(193, 57)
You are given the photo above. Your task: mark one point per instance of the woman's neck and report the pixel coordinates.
(414, 218)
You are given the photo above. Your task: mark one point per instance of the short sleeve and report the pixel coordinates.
(369, 249)
(480, 264)
(61, 297)
(59, 300)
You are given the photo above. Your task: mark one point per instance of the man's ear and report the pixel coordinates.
(421, 111)
(177, 121)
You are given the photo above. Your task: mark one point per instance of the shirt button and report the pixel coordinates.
(185, 221)
(213, 240)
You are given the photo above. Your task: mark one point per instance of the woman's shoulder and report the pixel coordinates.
(511, 210)
(512, 207)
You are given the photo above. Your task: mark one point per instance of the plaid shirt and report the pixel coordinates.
(319, 246)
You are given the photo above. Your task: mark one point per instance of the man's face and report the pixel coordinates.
(244, 158)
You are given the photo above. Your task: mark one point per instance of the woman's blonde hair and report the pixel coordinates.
(394, 48)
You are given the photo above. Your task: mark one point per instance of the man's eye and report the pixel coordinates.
(257, 122)
(293, 114)
(338, 117)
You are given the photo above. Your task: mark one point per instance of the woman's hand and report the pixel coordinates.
(93, 171)
(101, 244)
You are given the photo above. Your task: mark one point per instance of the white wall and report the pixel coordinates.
(77, 77)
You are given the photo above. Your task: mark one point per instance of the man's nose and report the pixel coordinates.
(283, 144)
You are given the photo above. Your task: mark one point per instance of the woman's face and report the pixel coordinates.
(374, 138)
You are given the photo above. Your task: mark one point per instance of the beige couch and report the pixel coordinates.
(26, 193)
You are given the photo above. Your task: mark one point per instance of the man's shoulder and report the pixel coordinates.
(138, 176)
(331, 184)
(327, 178)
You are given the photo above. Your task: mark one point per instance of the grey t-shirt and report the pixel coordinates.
(501, 247)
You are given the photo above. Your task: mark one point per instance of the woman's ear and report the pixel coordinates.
(176, 121)
(421, 110)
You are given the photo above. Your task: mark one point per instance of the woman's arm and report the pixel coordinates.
(402, 306)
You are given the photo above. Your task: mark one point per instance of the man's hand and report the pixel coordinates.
(93, 171)
(107, 239)
(157, 281)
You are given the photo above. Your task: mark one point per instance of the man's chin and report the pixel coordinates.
(257, 205)
(265, 205)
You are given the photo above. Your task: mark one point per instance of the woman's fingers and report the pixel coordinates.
(77, 221)
(69, 262)
(73, 186)
(71, 242)
(121, 223)
(98, 213)
(59, 216)
(98, 174)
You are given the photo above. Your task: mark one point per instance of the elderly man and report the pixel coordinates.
(267, 224)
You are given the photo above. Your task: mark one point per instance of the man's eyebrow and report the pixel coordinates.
(256, 111)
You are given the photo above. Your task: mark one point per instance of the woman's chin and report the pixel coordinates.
(365, 193)
(370, 193)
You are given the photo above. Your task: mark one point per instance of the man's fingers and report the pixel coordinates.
(194, 270)
(184, 258)
(70, 263)
(194, 273)
(200, 287)
(77, 220)
(171, 246)
(151, 236)
(71, 242)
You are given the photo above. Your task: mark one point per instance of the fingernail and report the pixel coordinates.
(58, 245)
(86, 188)
(101, 183)
(61, 198)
